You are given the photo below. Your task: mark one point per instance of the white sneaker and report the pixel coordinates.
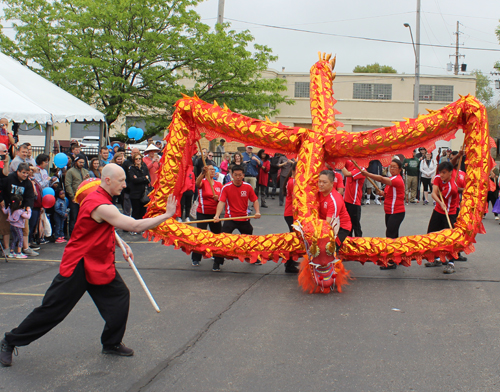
(179, 220)
(187, 220)
(367, 201)
(30, 252)
(377, 201)
(497, 217)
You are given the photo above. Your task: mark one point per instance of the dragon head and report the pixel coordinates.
(320, 270)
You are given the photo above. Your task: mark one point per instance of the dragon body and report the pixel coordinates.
(314, 239)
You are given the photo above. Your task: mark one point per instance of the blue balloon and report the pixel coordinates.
(48, 191)
(132, 133)
(139, 133)
(61, 160)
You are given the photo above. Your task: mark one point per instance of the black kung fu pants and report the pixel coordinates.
(214, 228)
(244, 227)
(112, 301)
(354, 212)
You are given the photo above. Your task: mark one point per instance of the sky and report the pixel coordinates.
(375, 19)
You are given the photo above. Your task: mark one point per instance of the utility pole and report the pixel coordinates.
(417, 63)
(220, 16)
(457, 55)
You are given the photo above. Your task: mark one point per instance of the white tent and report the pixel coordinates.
(26, 96)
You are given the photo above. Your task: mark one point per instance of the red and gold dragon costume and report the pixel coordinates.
(314, 239)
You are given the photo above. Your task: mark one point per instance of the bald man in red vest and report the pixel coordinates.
(88, 265)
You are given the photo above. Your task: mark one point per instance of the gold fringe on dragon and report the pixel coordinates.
(314, 239)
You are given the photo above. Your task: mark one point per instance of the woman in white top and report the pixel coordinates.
(427, 173)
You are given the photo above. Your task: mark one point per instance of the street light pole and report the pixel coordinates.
(416, 90)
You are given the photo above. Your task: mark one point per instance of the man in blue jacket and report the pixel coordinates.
(252, 165)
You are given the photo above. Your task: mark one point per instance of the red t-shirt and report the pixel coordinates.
(289, 197)
(236, 199)
(206, 201)
(92, 241)
(333, 205)
(189, 180)
(394, 196)
(338, 182)
(461, 178)
(354, 187)
(449, 190)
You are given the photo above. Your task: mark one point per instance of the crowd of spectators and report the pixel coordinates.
(25, 224)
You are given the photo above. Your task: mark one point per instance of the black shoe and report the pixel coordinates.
(389, 266)
(263, 205)
(281, 203)
(272, 197)
(119, 349)
(6, 351)
(33, 247)
(216, 267)
(461, 258)
(290, 267)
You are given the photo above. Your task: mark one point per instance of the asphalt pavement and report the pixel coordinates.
(250, 328)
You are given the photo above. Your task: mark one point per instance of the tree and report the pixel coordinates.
(374, 68)
(127, 56)
(484, 92)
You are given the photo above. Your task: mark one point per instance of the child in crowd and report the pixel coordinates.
(16, 216)
(60, 216)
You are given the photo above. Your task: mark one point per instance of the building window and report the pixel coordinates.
(301, 89)
(372, 91)
(84, 128)
(436, 93)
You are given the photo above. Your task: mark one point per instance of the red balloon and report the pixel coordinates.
(48, 201)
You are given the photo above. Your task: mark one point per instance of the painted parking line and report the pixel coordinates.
(25, 294)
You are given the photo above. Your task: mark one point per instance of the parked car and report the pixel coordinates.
(141, 146)
(90, 142)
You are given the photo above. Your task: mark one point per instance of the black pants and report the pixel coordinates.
(244, 227)
(112, 301)
(392, 223)
(214, 228)
(439, 222)
(273, 182)
(74, 208)
(492, 198)
(427, 184)
(186, 203)
(138, 208)
(354, 212)
(282, 189)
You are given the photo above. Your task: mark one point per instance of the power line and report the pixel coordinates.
(361, 38)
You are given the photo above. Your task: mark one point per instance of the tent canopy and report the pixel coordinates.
(26, 96)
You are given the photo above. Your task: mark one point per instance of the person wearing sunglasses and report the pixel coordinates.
(6, 136)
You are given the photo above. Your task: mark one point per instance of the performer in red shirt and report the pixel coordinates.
(234, 197)
(338, 183)
(331, 204)
(187, 193)
(88, 264)
(290, 266)
(353, 194)
(446, 185)
(207, 204)
(394, 201)
(460, 180)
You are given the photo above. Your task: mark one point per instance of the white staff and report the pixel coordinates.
(137, 274)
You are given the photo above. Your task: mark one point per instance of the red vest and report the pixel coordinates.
(92, 241)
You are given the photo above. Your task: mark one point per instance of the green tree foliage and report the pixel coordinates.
(127, 56)
(374, 68)
(484, 92)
